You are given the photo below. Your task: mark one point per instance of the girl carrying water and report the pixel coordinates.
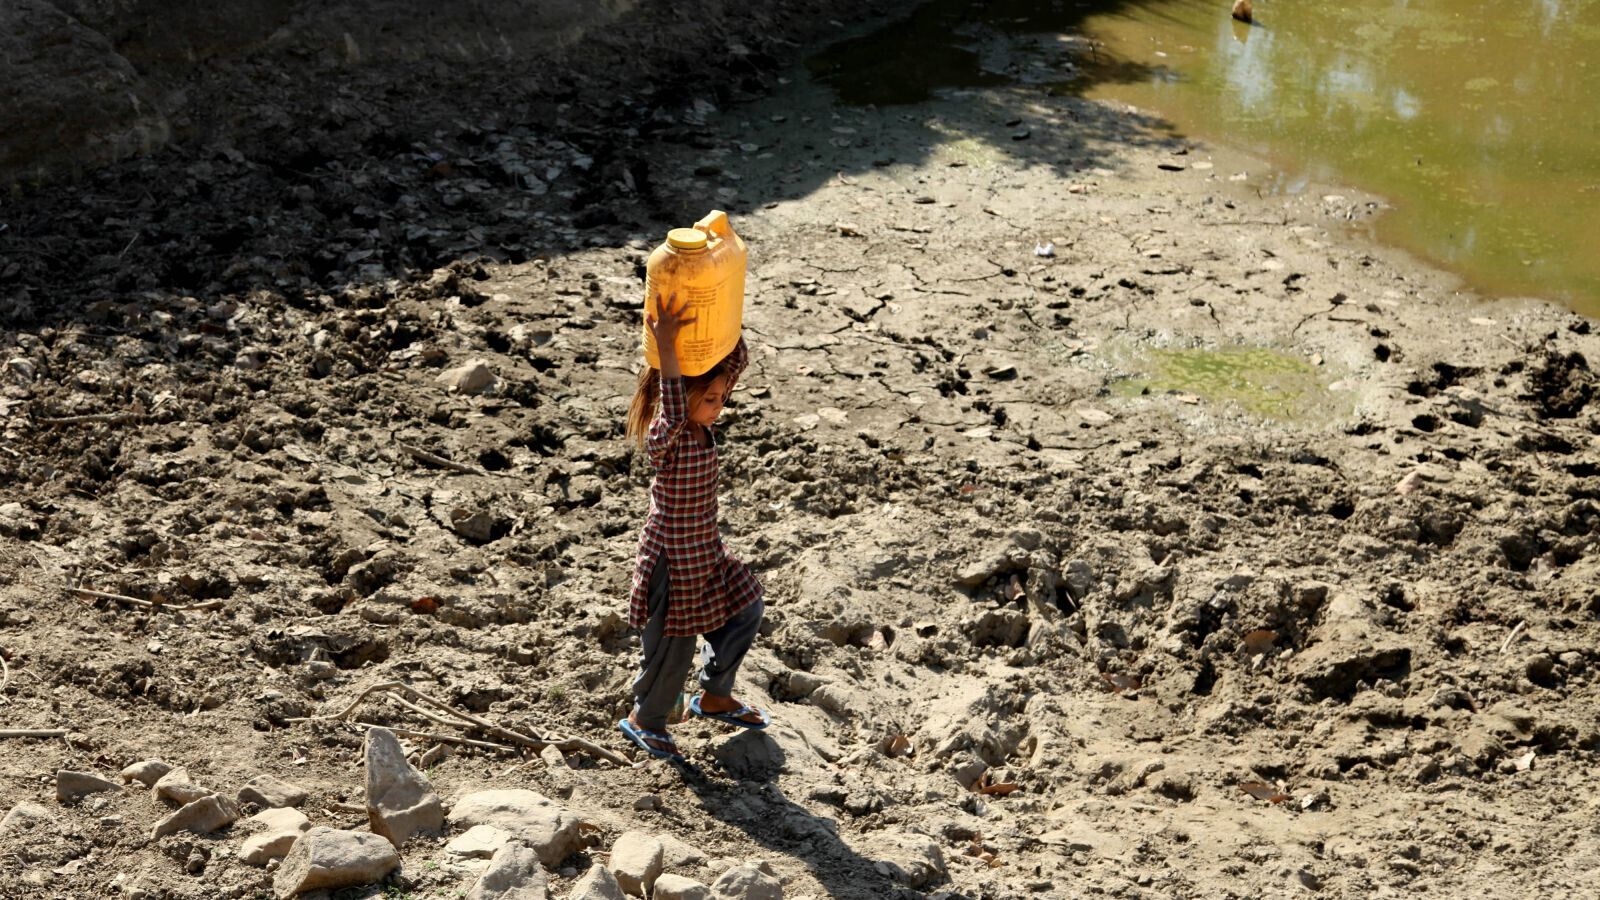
(685, 583)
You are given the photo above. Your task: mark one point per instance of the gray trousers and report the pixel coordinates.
(666, 660)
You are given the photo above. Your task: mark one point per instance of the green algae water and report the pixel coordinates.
(1256, 380)
(1478, 121)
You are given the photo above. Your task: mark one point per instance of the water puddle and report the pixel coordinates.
(1478, 120)
(1254, 380)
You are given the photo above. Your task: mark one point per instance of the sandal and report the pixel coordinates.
(643, 737)
(732, 716)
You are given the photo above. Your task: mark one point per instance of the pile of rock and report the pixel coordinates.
(521, 834)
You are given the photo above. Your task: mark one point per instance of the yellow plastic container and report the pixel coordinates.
(704, 265)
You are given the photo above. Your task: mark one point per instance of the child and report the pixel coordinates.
(685, 583)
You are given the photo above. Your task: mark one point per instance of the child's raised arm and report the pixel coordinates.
(669, 425)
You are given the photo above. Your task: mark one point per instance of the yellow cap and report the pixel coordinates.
(686, 239)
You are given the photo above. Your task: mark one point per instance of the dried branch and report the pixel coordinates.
(1513, 636)
(146, 604)
(468, 720)
(434, 736)
(33, 733)
(116, 418)
(433, 459)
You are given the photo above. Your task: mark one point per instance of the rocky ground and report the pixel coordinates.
(1130, 527)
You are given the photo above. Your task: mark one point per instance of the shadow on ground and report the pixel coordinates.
(309, 181)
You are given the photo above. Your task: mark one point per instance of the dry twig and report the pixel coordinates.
(433, 459)
(434, 736)
(5, 677)
(1513, 636)
(146, 604)
(116, 418)
(33, 733)
(468, 720)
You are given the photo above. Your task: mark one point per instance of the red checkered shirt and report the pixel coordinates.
(707, 585)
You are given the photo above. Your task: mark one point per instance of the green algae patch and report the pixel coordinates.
(1255, 380)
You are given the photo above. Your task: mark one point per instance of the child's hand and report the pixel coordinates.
(670, 319)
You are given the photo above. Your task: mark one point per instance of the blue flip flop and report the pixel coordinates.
(732, 717)
(643, 737)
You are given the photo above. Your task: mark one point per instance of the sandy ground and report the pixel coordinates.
(1346, 555)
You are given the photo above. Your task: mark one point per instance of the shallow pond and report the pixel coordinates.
(1478, 121)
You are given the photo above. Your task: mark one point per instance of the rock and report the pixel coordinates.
(25, 816)
(279, 829)
(513, 874)
(176, 787)
(551, 831)
(675, 854)
(746, 883)
(146, 773)
(636, 860)
(476, 525)
(998, 628)
(329, 858)
(203, 816)
(400, 801)
(472, 378)
(271, 793)
(750, 754)
(1335, 668)
(71, 100)
(913, 860)
(677, 887)
(1349, 648)
(1243, 10)
(72, 785)
(479, 842)
(994, 562)
(597, 884)
(1078, 578)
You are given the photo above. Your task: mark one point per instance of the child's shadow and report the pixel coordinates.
(756, 806)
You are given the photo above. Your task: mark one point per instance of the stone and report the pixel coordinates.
(597, 884)
(25, 816)
(913, 860)
(995, 561)
(529, 817)
(330, 858)
(278, 828)
(474, 377)
(271, 793)
(676, 854)
(71, 99)
(203, 816)
(636, 860)
(176, 787)
(514, 873)
(72, 785)
(147, 772)
(479, 842)
(400, 801)
(753, 755)
(677, 887)
(746, 883)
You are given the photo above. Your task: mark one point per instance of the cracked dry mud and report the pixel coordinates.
(1044, 521)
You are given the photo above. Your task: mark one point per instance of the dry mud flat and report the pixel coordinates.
(1053, 609)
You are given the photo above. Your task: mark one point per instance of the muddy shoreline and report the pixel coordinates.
(1018, 517)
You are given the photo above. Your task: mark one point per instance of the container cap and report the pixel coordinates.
(686, 239)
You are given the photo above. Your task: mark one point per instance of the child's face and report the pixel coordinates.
(711, 402)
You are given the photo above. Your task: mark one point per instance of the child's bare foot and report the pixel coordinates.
(729, 709)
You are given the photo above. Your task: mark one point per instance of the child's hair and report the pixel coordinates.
(645, 400)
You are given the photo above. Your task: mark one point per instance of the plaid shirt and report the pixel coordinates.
(707, 585)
